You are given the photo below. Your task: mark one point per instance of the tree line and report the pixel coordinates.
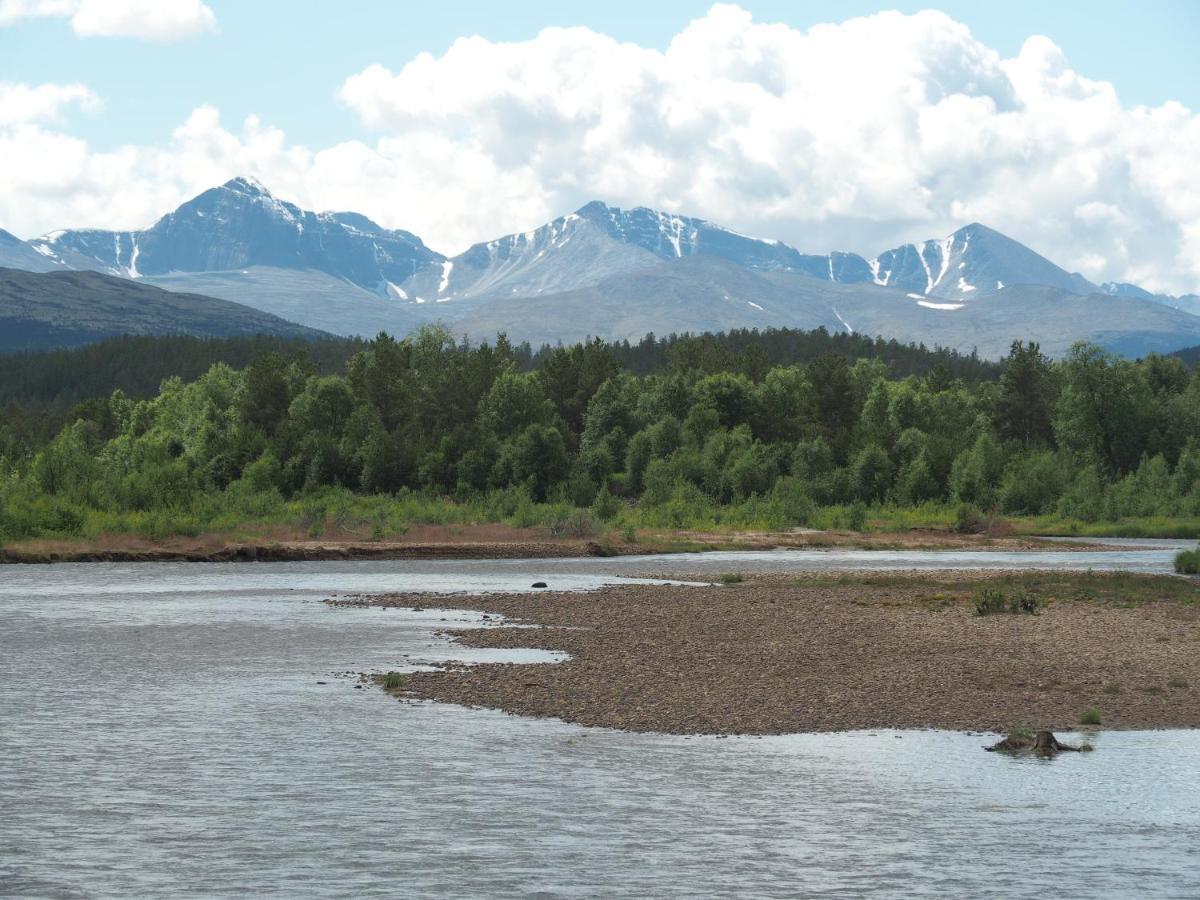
(712, 425)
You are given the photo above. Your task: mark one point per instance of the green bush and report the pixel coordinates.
(392, 681)
(988, 601)
(968, 519)
(1187, 562)
(991, 600)
(576, 523)
(856, 517)
(605, 507)
(1033, 485)
(1090, 716)
(1025, 601)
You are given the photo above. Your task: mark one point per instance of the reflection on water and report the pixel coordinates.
(162, 731)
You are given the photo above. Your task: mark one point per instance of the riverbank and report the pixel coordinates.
(493, 542)
(778, 654)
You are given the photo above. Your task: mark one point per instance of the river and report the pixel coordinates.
(164, 732)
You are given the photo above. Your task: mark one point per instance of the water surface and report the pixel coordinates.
(163, 733)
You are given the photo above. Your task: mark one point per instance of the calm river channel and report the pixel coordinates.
(164, 732)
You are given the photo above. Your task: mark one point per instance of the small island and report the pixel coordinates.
(772, 654)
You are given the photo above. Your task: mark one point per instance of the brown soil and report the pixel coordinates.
(485, 541)
(913, 539)
(778, 654)
(293, 551)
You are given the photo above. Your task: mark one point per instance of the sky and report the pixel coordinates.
(857, 126)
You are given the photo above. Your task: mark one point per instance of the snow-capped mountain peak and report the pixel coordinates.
(618, 269)
(246, 184)
(241, 224)
(972, 261)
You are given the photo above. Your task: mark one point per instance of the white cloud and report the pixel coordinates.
(860, 136)
(21, 103)
(12, 11)
(154, 20)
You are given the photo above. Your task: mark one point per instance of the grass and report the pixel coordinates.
(392, 681)
(1122, 589)
(1144, 527)
(991, 600)
(1090, 716)
(1108, 588)
(337, 513)
(732, 578)
(988, 601)
(1188, 562)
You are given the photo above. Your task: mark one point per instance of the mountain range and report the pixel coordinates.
(614, 273)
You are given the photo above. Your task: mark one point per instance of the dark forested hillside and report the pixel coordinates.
(67, 309)
(752, 352)
(137, 365)
(1190, 357)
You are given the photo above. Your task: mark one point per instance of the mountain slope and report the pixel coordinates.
(333, 271)
(973, 261)
(67, 309)
(606, 271)
(696, 295)
(17, 254)
(599, 241)
(312, 298)
(242, 224)
(1189, 303)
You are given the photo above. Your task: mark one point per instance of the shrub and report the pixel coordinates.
(732, 578)
(856, 517)
(968, 519)
(1025, 601)
(1187, 562)
(605, 507)
(791, 499)
(577, 523)
(1090, 716)
(392, 680)
(1032, 485)
(871, 472)
(989, 600)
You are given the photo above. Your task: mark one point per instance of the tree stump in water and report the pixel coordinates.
(1043, 743)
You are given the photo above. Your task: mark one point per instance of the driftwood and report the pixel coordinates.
(1043, 743)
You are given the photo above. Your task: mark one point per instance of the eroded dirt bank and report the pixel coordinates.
(786, 654)
(489, 542)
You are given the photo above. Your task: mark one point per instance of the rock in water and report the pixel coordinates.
(539, 584)
(1042, 743)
